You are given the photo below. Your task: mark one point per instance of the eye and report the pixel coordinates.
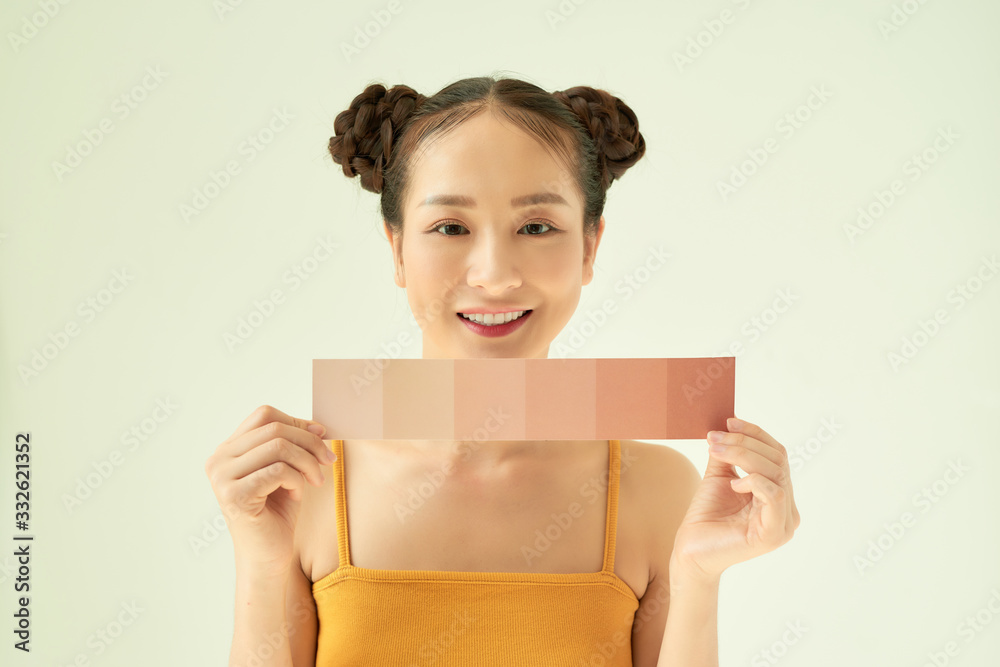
(534, 224)
(538, 224)
(448, 224)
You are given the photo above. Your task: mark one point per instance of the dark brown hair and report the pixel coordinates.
(591, 129)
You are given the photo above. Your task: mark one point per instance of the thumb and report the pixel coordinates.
(315, 427)
(719, 468)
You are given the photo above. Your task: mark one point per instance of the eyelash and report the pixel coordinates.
(449, 223)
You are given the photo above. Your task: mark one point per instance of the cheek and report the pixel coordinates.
(559, 272)
(419, 265)
(430, 288)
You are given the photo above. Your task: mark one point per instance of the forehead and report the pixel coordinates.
(489, 159)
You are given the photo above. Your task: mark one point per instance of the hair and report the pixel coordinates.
(595, 133)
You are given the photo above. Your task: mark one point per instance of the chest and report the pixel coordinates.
(550, 518)
(442, 523)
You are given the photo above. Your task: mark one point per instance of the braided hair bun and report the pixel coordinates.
(365, 131)
(612, 125)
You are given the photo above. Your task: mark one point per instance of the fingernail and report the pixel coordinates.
(329, 456)
(316, 428)
(733, 422)
(716, 436)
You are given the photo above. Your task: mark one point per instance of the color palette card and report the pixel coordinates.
(523, 399)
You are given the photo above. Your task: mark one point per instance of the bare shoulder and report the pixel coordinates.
(658, 469)
(658, 482)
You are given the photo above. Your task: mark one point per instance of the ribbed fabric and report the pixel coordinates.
(421, 617)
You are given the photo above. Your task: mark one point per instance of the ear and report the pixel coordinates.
(590, 252)
(396, 243)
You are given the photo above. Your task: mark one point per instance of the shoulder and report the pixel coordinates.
(657, 482)
(658, 467)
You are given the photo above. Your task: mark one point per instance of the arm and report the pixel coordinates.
(691, 638)
(260, 629)
(259, 475)
(275, 621)
(730, 519)
(677, 614)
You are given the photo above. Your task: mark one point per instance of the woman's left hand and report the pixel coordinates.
(732, 521)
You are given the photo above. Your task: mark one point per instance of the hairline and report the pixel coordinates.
(565, 152)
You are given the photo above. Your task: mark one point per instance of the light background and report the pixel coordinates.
(826, 359)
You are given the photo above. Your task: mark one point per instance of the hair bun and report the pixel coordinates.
(613, 126)
(365, 131)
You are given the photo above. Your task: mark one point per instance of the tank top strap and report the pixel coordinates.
(611, 524)
(344, 549)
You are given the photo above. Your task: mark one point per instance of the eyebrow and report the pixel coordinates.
(469, 202)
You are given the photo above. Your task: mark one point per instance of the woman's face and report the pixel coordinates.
(484, 253)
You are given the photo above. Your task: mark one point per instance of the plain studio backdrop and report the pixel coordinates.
(821, 177)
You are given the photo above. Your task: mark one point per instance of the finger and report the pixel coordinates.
(277, 429)
(743, 426)
(736, 425)
(718, 467)
(272, 451)
(751, 461)
(772, 512)
(774, 450)
(264, 415)
(254, 489)
(743, 440)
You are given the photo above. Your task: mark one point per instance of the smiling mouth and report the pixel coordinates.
(491, 320)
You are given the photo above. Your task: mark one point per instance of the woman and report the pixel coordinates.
(492, 196)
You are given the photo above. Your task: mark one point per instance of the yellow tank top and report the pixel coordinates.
(422, 617)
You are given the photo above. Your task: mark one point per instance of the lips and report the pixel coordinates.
(494, 330)
(493, 318)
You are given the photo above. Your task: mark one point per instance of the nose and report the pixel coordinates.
(493, 265)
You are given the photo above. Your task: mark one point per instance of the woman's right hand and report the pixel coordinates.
(258, 475)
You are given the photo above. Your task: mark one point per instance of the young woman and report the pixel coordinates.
(541, 553)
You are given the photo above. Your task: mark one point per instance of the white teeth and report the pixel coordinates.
(490, 319)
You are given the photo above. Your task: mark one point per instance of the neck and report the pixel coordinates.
(480, 455)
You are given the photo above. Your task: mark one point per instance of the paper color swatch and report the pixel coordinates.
(523, 399)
